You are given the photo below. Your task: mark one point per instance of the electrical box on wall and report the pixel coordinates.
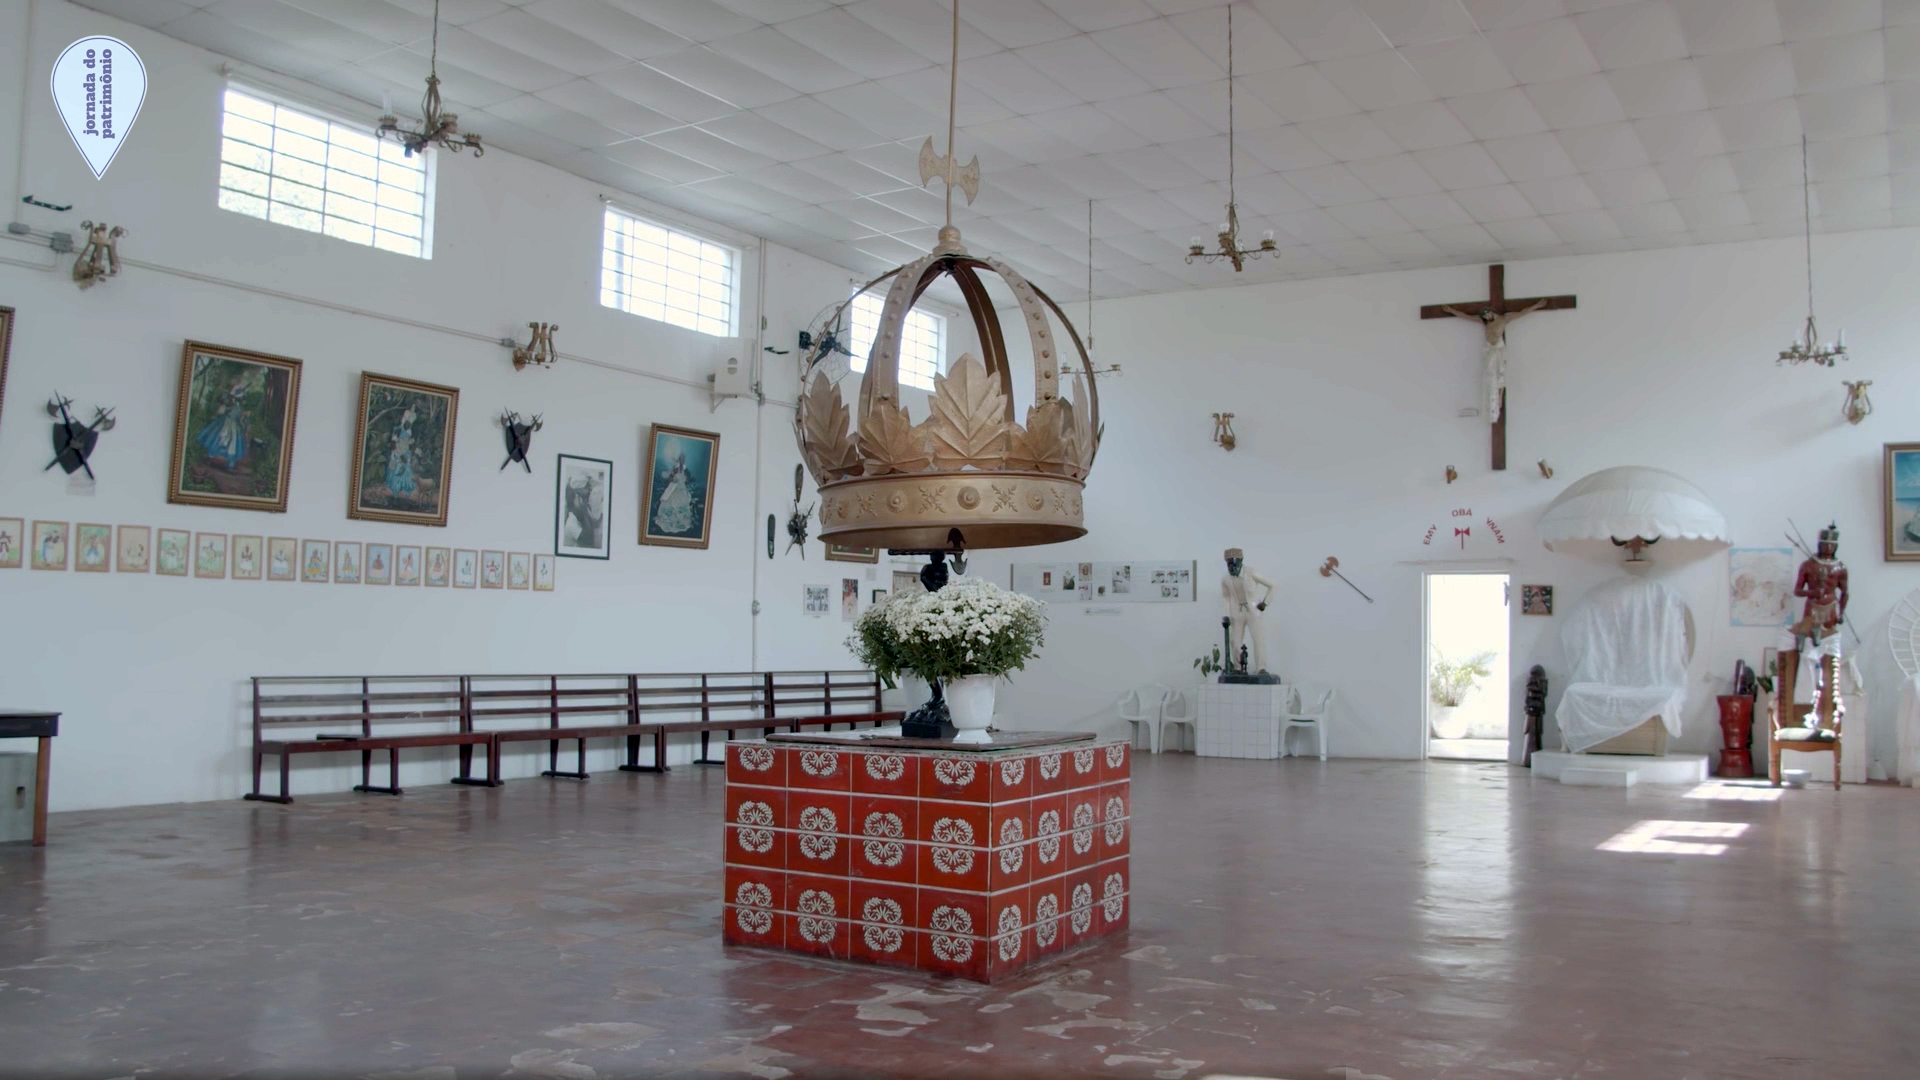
(731, 378)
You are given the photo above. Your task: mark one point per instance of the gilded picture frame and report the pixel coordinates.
(233, 428)
(1900, 501)
(676, 491)
(849, 553)
(403, 451)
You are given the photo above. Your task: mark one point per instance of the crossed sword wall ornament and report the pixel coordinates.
(797, 521)
(73, 442)
(519, 438)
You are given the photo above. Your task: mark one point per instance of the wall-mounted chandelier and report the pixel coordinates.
(437, 128)
(1229, 237)
(1809, 349)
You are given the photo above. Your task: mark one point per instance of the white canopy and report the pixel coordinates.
(1629, 501)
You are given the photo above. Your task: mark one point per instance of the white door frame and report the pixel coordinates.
(1505, 569)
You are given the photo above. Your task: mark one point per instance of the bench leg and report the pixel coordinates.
(466, 777)
(393, 776)
(553, 760)
(256, 795)
(706, 750)
(659, 756)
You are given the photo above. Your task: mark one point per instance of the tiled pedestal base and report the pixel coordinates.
(1239, 720)
(973, 865)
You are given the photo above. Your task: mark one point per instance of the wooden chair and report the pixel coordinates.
(1795, 727)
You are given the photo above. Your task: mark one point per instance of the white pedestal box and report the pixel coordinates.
(1668, 769)
(1239, 720)
(16, 796)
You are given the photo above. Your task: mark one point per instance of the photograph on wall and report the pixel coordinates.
(1900, 475)
(233, 428)
(849, 553)
(316, 560)
(582, 502)
(92, 548)
(13, 543)
(1760, 585)
(1536, 599)
(676, 494)
(542, 573)
(907, 583)
(879, 595)
(439, 567)
(173, 553)
(49, 550)
(849, 599)
(493, 569)
(819, 601)
(135, 553)
(246, 553)
(379, 569)
(6, 346)
(283, 559)
(406, 565)
(346, 563)
(519, 570)
(466, 568)
(403, 456)
(210, 555)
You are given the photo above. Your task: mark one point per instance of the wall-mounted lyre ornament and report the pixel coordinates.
(1331, 568)
(1452, 474)
(1223, 431)
(1546, 470)
(797, 521)
(538, 351)
(1858, 406)
(99, 258)
(73, 441)
(519, 435)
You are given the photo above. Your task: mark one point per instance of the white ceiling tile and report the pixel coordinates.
(1543, 51)
(1379, 80)
(1299, 93)
(1835, 63)
(877, 108)
(1014, 23)
(1530, 157)
(1158, 53)
(1802, 19)
(1698, 177)
(1501, 202)
(924, 206)
(1492, 15)
(1154, 117)
(374, 18)
(403, 66)
(1903, 151)
(691, 142)
(798, 184)
(1713, 212)
(1681, 135)
(1270, 194)
(548, 42)
(500, 63)
(1323, 29)
(594, 165)
(762, 136)
(695, 20)
(1037, 186)
(1151, 167)
(1147, 210)
(1603, 147)
(1717, 26)
(1577, 102)
(1747, 76)
(923, 26)
(1414, 22)
(1015, 83)
(1498, 114)
(1086, 127)
(1395, 176)
(1208, 104)
(1764, 123)
(746, 193)
(1778, 205)
(659, 161)
(1464, 65)
(854, 44)
(1559, 194)
(1436, 211)
(1776, 167)
(1330, 185)
(314, 34)
(1257, 46)
(722, 77)
(1842, 113)
(1523, 233)
(1422, 125)
(1354, 255)
(592, 100)
(1903, 51)
(1312, 227)
(1200, 202)
(1084, 69)
(1856, 221)
(1861, 158)
(1461, 167)
(1659, 89)
(1020, 139)
(931, 89)
(775, 55)
(1585, 226)
(872, 215)
(1903, 105)
(1408, 247)
(1349, 138)
(1095, 178)
(1100, 14)
(553, 121)
(1853, 196)
(1471, 240)
(523, 140)
(1283, 148)
(1627, 187)
(1633, 35)
(644, 86)
(774, 11)
(820, 122)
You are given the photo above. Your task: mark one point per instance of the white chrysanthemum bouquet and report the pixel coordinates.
(967, 628)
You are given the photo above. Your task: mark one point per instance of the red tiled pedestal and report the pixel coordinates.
(974, 865)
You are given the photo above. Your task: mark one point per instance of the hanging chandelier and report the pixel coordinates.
(969, 476)
(1229, 237)
(437, 128)
(1808, 349)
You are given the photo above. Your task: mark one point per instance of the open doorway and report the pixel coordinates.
(1467, 677)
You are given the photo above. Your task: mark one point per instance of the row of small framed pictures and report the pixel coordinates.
(132, 549)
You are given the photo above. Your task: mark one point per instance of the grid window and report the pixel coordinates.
(920, 345)
(678, 279)
(294, 168)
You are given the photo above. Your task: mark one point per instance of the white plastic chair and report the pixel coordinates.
(1307, 710)
(1143, 706)
(1176, 712)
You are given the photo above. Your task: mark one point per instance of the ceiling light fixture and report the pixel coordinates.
(1230, 248)
(1808, 347)
(437, 128)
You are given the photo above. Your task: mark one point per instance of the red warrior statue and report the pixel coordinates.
(1823, 581)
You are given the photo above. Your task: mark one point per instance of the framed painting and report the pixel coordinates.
(135, 554)
(210, 555)
(848, 553)
(49, 545)
(13, 543)
(316, 559)
(542, 573)
(582, 505)
(346, 562)
(173, 553)
(1536, 599)
(1760, 586)
(1900, 477)
(439, 567)
(493, 569)
(519, 570)
(406, 565)
(676, 495)
(379, 564)
(402, 451)
(6, 346)
(233, 428)
(283, 559)
(247, 555)
(92, 548)
(466, 568)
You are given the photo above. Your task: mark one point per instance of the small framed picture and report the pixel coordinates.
(676, 494)
(13, 543)
(542, 573)
(582, 507)
(210, 555)
(346, 562)
(92, 548)
(173, 553)
(1536, 599)
(1900, 480)
(848, 553)
(403, 451)
(519, 569)
(878, 595)
(248, 562)
(406, 565)
(466, 568)
(49, 545)
(493, 569)
(818, 601)
(283, 559)
(379, 564)
(135, 554)
(439, 567)
(316, 559)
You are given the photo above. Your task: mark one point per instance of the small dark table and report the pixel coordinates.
(41, 725)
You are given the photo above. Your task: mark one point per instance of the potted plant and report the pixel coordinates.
(1448, 687)
(962, 639)
(1209, 664)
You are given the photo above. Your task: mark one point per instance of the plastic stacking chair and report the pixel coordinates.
(1177, 712)
(1307, 710)
(1142, 707)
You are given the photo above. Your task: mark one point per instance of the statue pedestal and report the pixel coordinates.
(1240, 720)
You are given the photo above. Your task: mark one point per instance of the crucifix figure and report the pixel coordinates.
(1493, 314)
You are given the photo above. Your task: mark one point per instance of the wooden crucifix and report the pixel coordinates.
(1494, 313)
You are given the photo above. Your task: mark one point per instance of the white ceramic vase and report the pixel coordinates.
(1446, 724)
(970, 704)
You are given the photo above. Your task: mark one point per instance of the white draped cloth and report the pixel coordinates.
(1628, 647)
(1909, 733)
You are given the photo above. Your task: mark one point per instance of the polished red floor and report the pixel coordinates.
(1290, 919)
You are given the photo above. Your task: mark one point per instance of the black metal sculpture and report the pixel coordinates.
(519, 438)
(73, 441)
(1536, 712)
(797, 521)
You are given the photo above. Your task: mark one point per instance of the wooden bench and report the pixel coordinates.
(576, 708)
